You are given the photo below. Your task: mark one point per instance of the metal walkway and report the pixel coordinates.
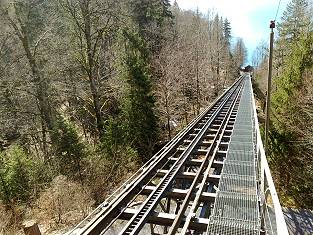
(236, 209)
(212, 178)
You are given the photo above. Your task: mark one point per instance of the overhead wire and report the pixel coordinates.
(277, 10)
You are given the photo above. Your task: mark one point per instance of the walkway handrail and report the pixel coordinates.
(267, 186)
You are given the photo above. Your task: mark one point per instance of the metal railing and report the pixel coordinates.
(272, 218)
(273, 221)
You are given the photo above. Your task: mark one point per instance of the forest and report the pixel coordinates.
(91, 89)
(290, 152)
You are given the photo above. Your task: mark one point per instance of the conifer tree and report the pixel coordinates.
(227, 31)
(291, 138)
(151, 16)
(69, 150)
(14, 175)
(295, 21)
(140, 103)
(240, 53)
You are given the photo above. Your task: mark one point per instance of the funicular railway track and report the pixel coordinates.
(175, 191)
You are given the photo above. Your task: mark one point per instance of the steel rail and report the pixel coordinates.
(97, 232)
(129, 203)
(107, 210)
(138, 221)
(150, 177)
(194, 206)
(146, 165)
(144, 188)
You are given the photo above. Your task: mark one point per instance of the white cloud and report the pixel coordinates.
(244, 16)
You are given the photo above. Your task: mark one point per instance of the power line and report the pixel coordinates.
(277, 9)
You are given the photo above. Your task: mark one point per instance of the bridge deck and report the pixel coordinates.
(212, 178)
(236, 208)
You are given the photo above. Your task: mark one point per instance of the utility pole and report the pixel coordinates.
(267, 118)
(269, 84)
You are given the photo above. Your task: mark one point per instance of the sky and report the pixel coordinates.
(249, 18)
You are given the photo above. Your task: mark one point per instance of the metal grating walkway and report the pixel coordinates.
(211, 178)
(236, 208)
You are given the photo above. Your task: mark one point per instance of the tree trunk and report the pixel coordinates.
(91, 66)
(40, 83)
(96, 105)
(198, 85)
(168, 118)
(185, 111)
(217, 74)
(44, 138)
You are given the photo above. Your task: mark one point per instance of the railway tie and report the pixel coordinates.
(211, 178)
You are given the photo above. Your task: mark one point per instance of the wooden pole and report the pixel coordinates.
(269, 84)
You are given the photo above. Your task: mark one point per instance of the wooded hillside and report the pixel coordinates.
(90, 89)
(291, 133)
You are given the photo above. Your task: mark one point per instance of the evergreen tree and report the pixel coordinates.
(227, 31)
(139, 104)
(240, 53)
(291, 138)
(151, 17)
(175, 5)
(295, 21)
(227, 55)
(69, 150)
(217, 47)
(5, 194)
(290, 143)
(291, 81)
(15, 175)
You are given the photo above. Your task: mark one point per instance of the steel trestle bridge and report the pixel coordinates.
(212, 178)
